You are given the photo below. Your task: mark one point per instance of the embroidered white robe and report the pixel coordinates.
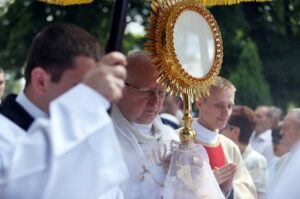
(146, 176)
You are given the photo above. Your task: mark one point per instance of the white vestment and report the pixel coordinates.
(279, 167)
(257, 167)
(262, 143)
(146, 174)
(287, 185)
(243, 186)
(75, 154)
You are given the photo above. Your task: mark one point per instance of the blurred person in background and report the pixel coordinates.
(277, 113)
(171, 113)
(279, 147)
(261, 139)
(287, 177)
(280, 150)
(239, 129)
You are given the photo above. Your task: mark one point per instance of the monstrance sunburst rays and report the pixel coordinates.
(160, 44)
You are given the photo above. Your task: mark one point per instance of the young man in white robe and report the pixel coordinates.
(224, 156)
(74, 153)
(239, 129)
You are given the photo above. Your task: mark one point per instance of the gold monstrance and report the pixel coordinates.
(187, 51)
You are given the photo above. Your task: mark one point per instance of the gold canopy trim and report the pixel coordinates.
(203, 2)
(66, 2)
(227, 2)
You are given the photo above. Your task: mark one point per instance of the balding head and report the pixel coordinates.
(291, 128)
(142, 98)
(140, 68)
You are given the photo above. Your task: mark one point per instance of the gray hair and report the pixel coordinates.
(297, 115)
(275, 111)
(271, 113)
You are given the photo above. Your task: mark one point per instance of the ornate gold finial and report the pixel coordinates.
(66, 2)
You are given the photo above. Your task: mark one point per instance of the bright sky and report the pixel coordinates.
(135, 29)
(3, 2)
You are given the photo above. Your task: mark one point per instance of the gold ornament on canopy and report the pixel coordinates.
(66, 2)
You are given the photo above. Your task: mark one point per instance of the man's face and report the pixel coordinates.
(215, 110)
(142, 97)
(263, 123)
(2, 84)
(290, 130)
(142, 106)
(70, 78)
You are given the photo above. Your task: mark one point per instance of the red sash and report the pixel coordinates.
(216, 155)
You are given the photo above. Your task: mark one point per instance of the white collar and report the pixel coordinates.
(144, 128)
(203, 134)
(31, 108)
(129, 130)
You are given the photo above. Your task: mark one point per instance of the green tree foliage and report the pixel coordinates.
(275, 28)
(242, 63)
(23, 19)
(234, 32)
(252, 89)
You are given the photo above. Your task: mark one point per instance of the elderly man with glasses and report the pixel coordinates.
(140, 129)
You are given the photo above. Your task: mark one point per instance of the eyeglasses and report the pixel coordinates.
(147, 92)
